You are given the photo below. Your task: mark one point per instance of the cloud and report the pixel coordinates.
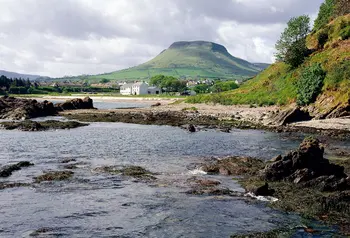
(71, 37)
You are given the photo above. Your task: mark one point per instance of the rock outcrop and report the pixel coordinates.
(6, 171)
(291, 115)
(20, 109)
(75, 104)
(307, 167)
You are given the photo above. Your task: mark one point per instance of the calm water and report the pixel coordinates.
(100, 205)
(115, 105)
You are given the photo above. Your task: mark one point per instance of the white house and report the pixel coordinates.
(134, 89)
(126, 89)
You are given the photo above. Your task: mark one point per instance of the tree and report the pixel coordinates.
(296, 54)
(224, 86)
(326, 12)
(297, 29)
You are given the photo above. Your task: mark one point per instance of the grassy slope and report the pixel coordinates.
(189, 61)
(276, 84)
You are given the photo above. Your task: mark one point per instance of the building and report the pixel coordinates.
(134, 89)
(154, 90)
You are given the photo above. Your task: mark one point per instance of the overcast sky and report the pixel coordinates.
(72, 37)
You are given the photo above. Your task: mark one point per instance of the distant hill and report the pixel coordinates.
(18, 75)
(195, 59)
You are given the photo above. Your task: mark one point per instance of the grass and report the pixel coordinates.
(277, 84)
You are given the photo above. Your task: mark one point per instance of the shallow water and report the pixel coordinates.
(101, 205)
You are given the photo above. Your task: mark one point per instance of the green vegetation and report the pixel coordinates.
(291, 46)
(188, 60)
(310, 84)
(22, 86)
(169, 84)
(278, 84)
(325, 14)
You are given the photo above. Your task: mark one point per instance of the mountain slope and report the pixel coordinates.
(18, 75)
(277, 84)
(197, 59)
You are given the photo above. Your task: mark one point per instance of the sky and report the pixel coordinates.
(72, 37)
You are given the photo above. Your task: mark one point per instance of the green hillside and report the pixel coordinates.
(277, 85)
(190, 60)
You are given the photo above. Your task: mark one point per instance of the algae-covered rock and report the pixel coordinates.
(137, 172)
(54, 176)
(29, 125)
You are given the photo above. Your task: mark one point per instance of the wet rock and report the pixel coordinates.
(234, 166)
(13, 185)
(339, 202)
(277, 158)
(305, 165)
(70, 166)
(191, 128)
(66, 161)
(263, 190)
(212, 191)
(6, 171)
(156, 104)
(29, 125)
(54, 176)
(136, 172)
(291, 115)
(207, 182)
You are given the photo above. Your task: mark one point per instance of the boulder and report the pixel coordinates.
(306, 166)
(191, 128)
(262, 190)
(291, 115)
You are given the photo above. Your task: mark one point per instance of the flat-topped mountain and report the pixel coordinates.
(190, 60)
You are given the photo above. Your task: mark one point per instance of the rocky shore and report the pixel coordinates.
(303, 181)
(20, 109)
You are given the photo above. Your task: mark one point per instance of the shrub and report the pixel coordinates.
(322, 38)
(310, 84)
(345, 33)
(338, 74)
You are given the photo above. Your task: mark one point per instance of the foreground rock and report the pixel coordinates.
(54, 176)
(19, 109)
(6, 171)
(29, 125)
(306, 166)
(137, 172)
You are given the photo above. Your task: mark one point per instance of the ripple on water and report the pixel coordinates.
(101, 205)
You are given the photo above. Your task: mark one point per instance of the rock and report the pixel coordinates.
(20, 109)
(13, 185)
(137, 172)
(291, 115)
(156, 104)
(207, 182)
(66, 161)
(75, 104)
(29, 125)
(277, 158)
(224, 171)
(262, 190)
(307, 166)
(6, 171)
(54, 176)
(191, 128)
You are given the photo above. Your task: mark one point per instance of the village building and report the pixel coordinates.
(134, 89)
(154, 90)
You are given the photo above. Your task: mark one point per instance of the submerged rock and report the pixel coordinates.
(54, 176)
(234, 166)
(263, 190)
(7, 170)
(136, 172)
(29, 125)
(13, 185)
(191, 128)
